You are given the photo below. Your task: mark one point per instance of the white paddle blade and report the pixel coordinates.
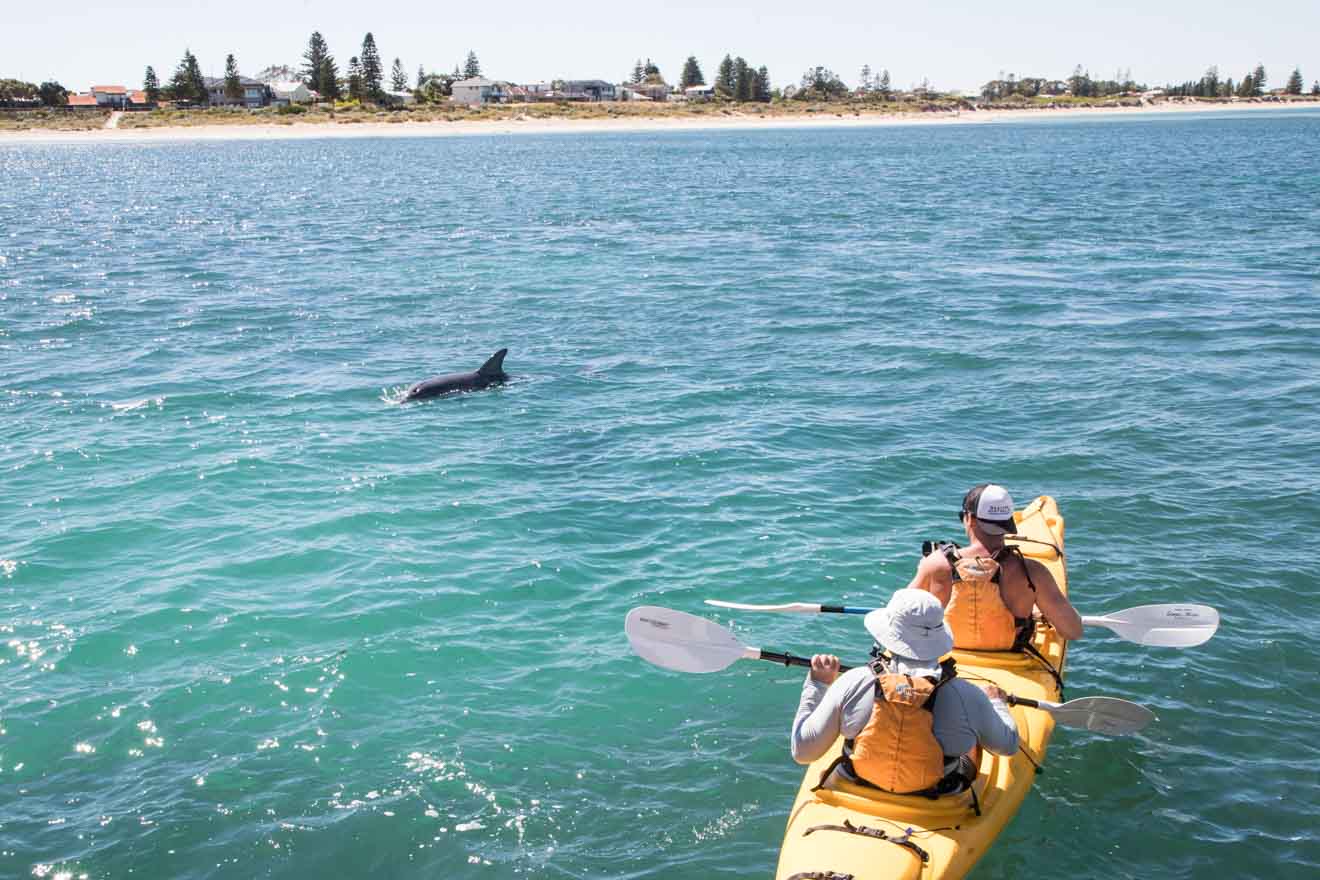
(793, 607)
(682, 642)
(1162, 626)
(1101, 714)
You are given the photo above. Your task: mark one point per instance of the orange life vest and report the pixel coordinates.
(976, 613)
(897, 750)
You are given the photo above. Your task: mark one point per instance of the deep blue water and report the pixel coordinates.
(260, 620)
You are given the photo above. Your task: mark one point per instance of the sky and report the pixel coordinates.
(955, 44)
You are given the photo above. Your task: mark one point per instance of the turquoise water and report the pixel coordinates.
(261, 621)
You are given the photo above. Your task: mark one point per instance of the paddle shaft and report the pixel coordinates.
(789, 659)
(1087, 620)
(1172, 626)
(794, 660)
(1030, 703)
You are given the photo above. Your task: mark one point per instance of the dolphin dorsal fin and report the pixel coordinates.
(495, 365)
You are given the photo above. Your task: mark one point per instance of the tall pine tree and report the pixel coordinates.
(187, 82)
(1258, 81)
(638, 72)
(761, 85)
(742, 80)
(314, 62)
(692, 73)
(329, 88)
(472, 68)
(354, 79)
(398, 78)
(151, 85)
(372, 72)
(1295, 82)
(233, 85)
(883, 84)
(724, 80)
(421, 76)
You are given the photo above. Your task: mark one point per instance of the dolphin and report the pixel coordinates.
(491, 373)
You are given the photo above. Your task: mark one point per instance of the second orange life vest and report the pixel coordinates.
(897, 750)
(976, 613)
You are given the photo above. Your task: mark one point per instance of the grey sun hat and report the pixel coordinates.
(911, 625)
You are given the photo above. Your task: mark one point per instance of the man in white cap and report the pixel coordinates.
(989, 589)
(906, 698)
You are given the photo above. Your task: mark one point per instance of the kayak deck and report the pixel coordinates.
(946, 830)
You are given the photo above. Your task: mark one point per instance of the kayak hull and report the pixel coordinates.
(946, 831)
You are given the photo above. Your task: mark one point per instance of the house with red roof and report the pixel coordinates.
(82, 101)
(114, 97)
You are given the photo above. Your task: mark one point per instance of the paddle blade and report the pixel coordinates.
(1101, 714)
(1163, 626)
(682, 642)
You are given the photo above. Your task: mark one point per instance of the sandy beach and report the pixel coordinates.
(557, 125)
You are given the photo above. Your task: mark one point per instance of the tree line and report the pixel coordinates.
(16, 91)
(1252, 85)
(735, 79)
(364, 79)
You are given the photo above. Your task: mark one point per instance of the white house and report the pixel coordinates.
(700, 91)
(477, 91)
(285, 93)
(255, 93)
(627, 93)
(115, 97)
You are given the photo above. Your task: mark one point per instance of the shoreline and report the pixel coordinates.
(553, 125)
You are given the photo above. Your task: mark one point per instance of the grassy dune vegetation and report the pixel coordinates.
(349, 113)
(52, 120)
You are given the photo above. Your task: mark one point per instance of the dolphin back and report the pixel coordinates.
(491, 373)
(494, 365)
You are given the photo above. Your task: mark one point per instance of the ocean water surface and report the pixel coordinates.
(260, 620)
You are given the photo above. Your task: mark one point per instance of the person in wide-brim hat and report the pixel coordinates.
(911, 634)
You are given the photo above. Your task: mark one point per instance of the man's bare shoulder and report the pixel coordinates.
(933, 563)
(1037, 571)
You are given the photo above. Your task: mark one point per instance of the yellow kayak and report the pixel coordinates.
(855, 833)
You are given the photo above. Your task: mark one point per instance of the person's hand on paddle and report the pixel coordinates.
(824, 668)
(993, 691)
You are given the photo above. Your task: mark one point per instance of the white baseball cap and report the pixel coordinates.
(993, 508)
(911, 625)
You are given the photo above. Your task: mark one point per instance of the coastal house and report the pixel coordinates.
(477, 91)
(255, 93)
(538, 91)
(399, 98)
(283, 93)
(114, 97)
(628, 93)
(699, 92)
(82, 101)
(588, 90)
(644, 91)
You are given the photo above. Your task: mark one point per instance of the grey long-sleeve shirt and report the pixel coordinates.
(964, 716)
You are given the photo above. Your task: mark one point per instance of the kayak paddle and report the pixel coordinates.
(1162, 626)
(1100, 714)
(687, 643)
